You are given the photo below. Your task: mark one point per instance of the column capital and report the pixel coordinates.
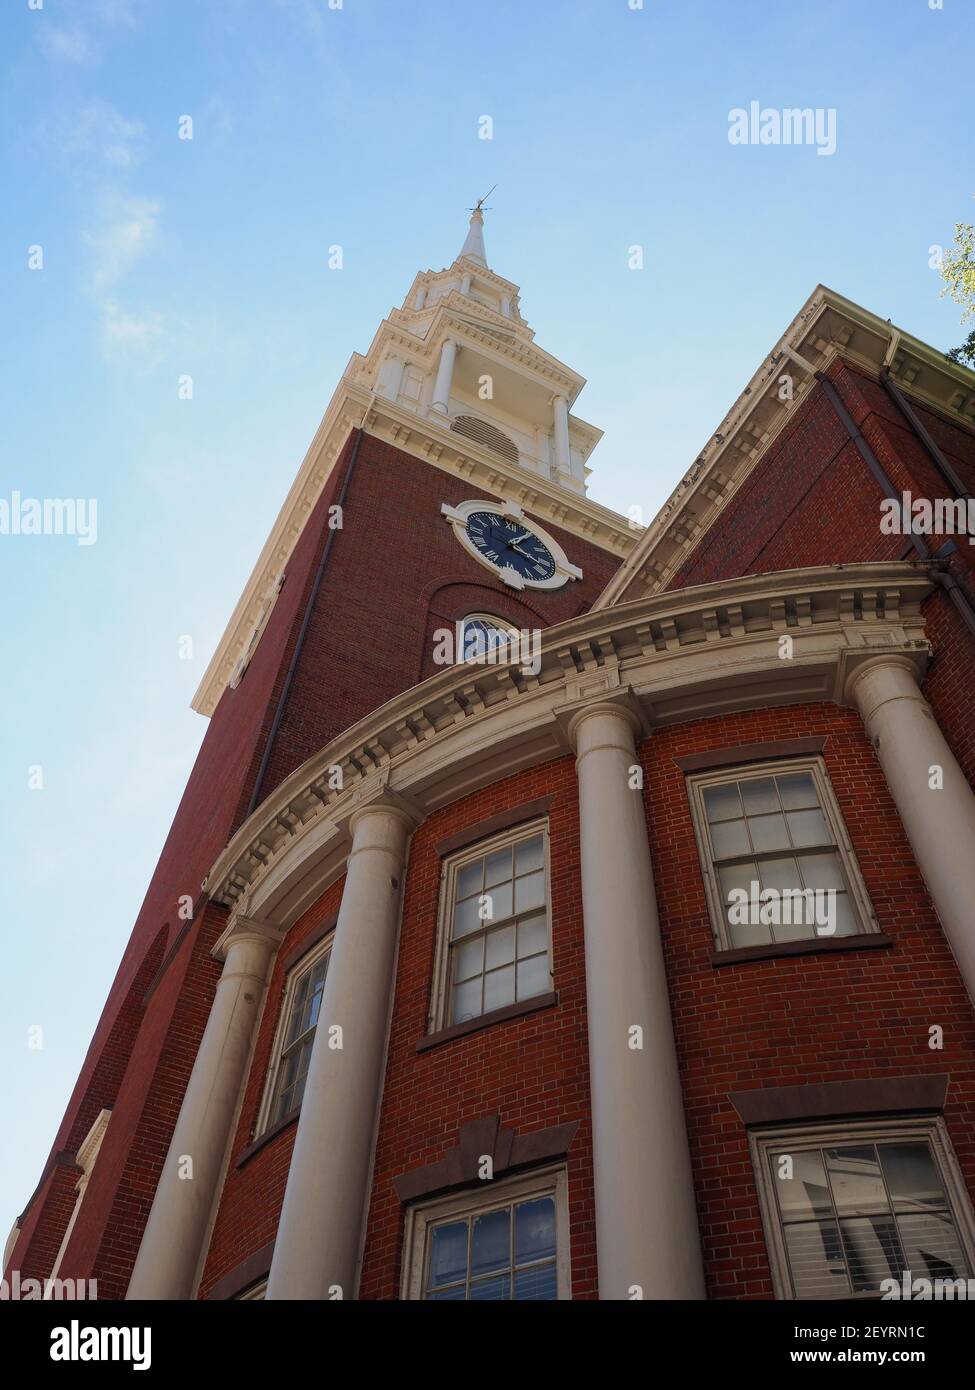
(242, 928)
(620, 703)
(376, 795)
(896, 663)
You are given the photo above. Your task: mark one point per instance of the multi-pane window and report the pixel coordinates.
(509, 1245)
(296, 1033)
(777, 862)
(849, 1209)
(495, 930)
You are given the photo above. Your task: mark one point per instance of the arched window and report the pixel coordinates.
(483, 637)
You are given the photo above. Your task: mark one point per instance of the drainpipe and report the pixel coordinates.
(940, 575)
(920, 429)
(306, 619)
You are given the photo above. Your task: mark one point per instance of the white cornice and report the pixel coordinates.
(826, 327)
(673, 657)
(426, 438)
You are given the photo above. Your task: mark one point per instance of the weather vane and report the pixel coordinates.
(481, 201)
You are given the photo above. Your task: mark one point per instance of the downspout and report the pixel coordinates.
(920, 429)
(305, 621)
(940, 574)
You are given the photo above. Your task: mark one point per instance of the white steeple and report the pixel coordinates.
(458, 358)
(473, 247)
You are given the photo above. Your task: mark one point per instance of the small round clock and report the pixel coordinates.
(520, 553)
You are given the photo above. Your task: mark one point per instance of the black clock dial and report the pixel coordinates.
(510, 543)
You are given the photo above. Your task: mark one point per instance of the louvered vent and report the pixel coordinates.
(483, 433)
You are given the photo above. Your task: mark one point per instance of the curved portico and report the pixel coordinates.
(761, 641)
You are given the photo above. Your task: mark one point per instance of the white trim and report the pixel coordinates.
(420, 1217)
(762, 1141)
(257, 634)
(85, 1158)
(676, 657)
(301, 966)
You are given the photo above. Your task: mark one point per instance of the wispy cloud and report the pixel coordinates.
(97, 134)
(131, 334)
(63, 44)
(87, 24)
(126, 230)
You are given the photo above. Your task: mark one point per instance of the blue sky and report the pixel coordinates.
(358, 126)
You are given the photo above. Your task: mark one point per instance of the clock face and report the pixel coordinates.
(511, 545)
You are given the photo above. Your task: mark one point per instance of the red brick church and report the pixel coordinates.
(558, 908)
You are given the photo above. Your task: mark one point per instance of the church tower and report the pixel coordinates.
(498, 979)
(445, 486)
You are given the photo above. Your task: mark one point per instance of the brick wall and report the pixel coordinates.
(369, 637)
(250, 1202)
(792, 1021)
(811, 499)
(393, 568)
(532, 1071)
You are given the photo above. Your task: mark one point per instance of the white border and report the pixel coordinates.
(440, 990)
(305, 962)
(546, 1182)
(564, 568)
(743, 772)
(803, 1136)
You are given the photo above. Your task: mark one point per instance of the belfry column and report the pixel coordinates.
(932, 794)
(317, 1245)
(647, 1238)
(171, 1243)
(445, 375)
(560, 420)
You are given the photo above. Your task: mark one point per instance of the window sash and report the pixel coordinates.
(449, 943)
(839, 845)
(955, 1207)
(424, 1217)
(285, 1083)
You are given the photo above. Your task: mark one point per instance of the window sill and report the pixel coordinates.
(272, 1133)
(474, 1025)
(813, 946)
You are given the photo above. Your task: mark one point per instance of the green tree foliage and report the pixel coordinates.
(958, 273)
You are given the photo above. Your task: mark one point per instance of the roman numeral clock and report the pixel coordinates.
(517, 551)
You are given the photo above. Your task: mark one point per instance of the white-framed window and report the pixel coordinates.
(483, 637)
(778, 863)
(508, 1242)
(295, 1034)
(494, 938)
(848, 1205)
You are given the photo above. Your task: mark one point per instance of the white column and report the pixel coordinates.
(506, 305)
(560, 414)
(317, 1246)
(445, 374)
(465, 285)
(171, 1244)
(939, 819)
(421, 297)
(647, 1234)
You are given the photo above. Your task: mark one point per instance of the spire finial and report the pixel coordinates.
(473, 247)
